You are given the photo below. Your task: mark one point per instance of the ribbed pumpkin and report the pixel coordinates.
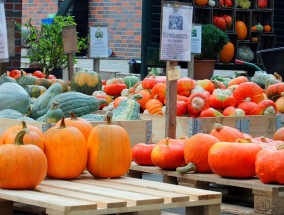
(109, 150)
(274, 91)
(35, 90)
(146, 96)
(33, 135)
(226, 133)
(227, 53)
(233, 159)
(184, 86)
(154, 106)
(245, 53)
(196, 150)
(198, 102)
(83, 125)
(86, 82)
(247, 107)
(66, 151)
(241, 30)
(159, 91)
(22, 166)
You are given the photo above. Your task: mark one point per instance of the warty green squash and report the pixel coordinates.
(53, 115)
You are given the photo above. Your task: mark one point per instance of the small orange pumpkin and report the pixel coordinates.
(226, 133)
(227, 53)
(267, 28)
(241, 30)
(201, 2)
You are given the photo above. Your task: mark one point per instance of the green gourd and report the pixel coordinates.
(4, 78)
(26, 80)
(43, 102)
(76, 102)
(13, 96)
(35, 90)
(128, 109)
(130, 80)
(245, 53)
(10, 114)
(53, 115)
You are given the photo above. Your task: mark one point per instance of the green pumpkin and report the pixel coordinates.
(53, 115)
(35, 90)
(15, 97)
(10, 114)
(128, 109)
(26, 80)
(130, 80)
(86, 82)
(245, 53)
(260, 77)
(76, 102)
(43, 102)
(4, 78)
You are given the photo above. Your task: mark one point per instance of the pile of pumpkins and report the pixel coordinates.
(64, 151)
(224, 150)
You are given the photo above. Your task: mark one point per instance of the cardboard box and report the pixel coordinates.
(188, 126)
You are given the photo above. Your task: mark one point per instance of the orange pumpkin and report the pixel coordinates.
(248, 91)
(146, 96)
(198, 102)
(109, 150)
(22, 166)
(61, 143)
(227, 53)
(267, 28)
(154, 106)
(82, 124)
(241, 30)
(201, 2)
(184, 86)
(33, 135)
(196, 153)
(226, 133)
(238, 80)
(159, 91)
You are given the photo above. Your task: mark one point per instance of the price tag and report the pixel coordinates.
(173, 74)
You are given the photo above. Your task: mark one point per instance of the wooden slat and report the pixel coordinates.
(101, 201)
(132, 198)
(168, 196)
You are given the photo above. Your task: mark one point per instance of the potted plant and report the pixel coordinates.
(45, 46)
(213, 40)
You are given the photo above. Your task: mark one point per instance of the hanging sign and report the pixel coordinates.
(4, 55)
(98, 46)
(196, 36)
(176, 32)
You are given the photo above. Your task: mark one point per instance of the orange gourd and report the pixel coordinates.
(33, 135)
(226, 133)
(241, 30)
(109, 150)
(23, 166)
(201, 2)
(227, 53)
(66, 151)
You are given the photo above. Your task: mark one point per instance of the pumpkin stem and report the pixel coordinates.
(24, 125)
(108, 117)
(185, 169)
(62, 123)
(73, 116)
(55, 105)
(217, 126)
(19, 138)
(278, 77)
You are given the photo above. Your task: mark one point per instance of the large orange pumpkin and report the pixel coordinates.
(22, 166)
(66, 151)
(248, 91)
(109, 150)
(241, 30)
(82, 124)
(33, 135)
(227, 53)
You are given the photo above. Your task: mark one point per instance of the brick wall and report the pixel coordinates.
(123, 18)
(13, 11)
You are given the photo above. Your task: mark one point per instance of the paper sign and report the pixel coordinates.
(173, 73)
(98, 47)
(196, 37)
(176, 31)
(4, 55)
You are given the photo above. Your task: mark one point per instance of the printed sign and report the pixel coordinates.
(176, 31)
(98, 47)
(196, 39)
(4, 55)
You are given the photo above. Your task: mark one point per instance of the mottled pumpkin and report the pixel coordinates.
(86, 82)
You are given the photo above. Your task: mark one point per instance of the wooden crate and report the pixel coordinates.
(265, 198)
(87, 195)
(188, 126)
(139, 131)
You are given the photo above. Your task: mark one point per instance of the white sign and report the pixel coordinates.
(4, 55)
(196, 37)
(98, 47)
(176, 32)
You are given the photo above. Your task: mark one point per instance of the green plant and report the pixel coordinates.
(213, 40)
(45, 45)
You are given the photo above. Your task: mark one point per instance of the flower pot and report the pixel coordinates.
(203, 69)
(57, 72)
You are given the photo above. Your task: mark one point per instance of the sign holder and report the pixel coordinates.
(98, 45)
(175, 46)
(70, 47)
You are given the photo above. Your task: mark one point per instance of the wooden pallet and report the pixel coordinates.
(87, 195)
(265, 198)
